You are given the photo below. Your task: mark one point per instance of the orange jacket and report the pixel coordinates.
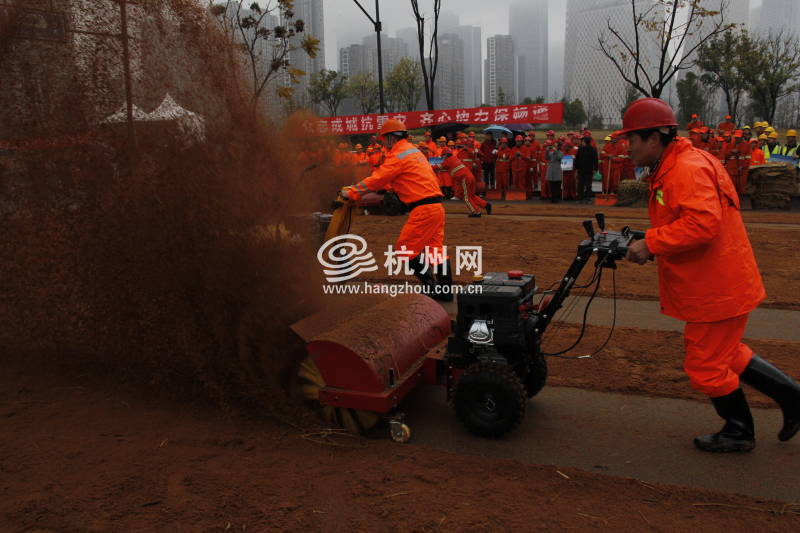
(706, 268)
(407, 171)
(457, 169)
(757, 157)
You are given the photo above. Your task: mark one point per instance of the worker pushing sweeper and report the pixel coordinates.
(411, 176)
(707, 274)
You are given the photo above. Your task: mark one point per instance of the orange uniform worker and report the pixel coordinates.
(410, 175)
(695, 123)
(464, 184)
(728, 125)
(534, 148)
(502, 166)
(519, 164)
(604, 158)
(569, 181)
(708, 276)
(756, 153)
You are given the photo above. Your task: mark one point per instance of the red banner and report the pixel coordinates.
(515, 114)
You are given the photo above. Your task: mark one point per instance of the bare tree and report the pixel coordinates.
(265, 44)
(429, 69)
(677, 41)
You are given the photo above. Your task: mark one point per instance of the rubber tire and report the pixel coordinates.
(537, 375)
(509, 398)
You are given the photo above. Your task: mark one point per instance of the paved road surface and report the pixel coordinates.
(649, 439)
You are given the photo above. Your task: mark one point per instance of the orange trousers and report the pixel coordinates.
(715, 355)
(464, 189)
(502, 173)
(424, 227)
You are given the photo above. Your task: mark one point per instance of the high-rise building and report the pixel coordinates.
(471, 38)
(392, 50)
(310, 12)
(588, 74)
(409, 36)
(449, 84)
(352, 60)
(777, 15)
(528, 26)
(500, 71)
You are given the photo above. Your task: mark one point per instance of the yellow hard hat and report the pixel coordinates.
(745, 127)
(607, 138)
(791, 133)
(450, 143)
(773, 135)
(762, 137)
(770, 129)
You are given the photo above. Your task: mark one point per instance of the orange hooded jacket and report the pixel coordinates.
(706, 268)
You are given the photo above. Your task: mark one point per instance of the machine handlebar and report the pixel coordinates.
(613, 244)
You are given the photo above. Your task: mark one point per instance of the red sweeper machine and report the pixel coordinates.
(362, 361)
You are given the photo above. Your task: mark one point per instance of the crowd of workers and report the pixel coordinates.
(523, 163)
(740, 148)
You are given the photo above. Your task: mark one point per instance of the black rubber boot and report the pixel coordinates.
(488, 208)
(444, 279)
(767, 379)
(737, 435)
(426, 278)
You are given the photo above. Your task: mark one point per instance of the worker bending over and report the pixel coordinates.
(407, 171)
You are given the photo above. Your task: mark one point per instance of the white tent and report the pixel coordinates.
(191, 125)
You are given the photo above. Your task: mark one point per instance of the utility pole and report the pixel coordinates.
(376, 22)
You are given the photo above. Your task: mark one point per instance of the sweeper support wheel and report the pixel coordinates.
(362, 364)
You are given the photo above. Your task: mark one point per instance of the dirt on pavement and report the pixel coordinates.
(79, 454)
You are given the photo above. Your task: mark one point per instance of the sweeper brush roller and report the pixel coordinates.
(362, 365)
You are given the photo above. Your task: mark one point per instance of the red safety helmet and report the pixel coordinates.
(694, 115)
(518, 138)
(647, 113)
(503, 140)
(551, 132)
(391, 126)
(728, 117)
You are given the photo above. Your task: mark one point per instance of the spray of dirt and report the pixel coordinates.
(162, 261)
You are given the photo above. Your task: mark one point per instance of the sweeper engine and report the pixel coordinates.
(494, 362)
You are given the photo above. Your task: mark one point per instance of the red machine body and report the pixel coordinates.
(374, 369)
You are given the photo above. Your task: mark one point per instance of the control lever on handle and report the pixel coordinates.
(589, 227)
(601, 221)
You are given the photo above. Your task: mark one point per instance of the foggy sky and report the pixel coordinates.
(345, 24)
